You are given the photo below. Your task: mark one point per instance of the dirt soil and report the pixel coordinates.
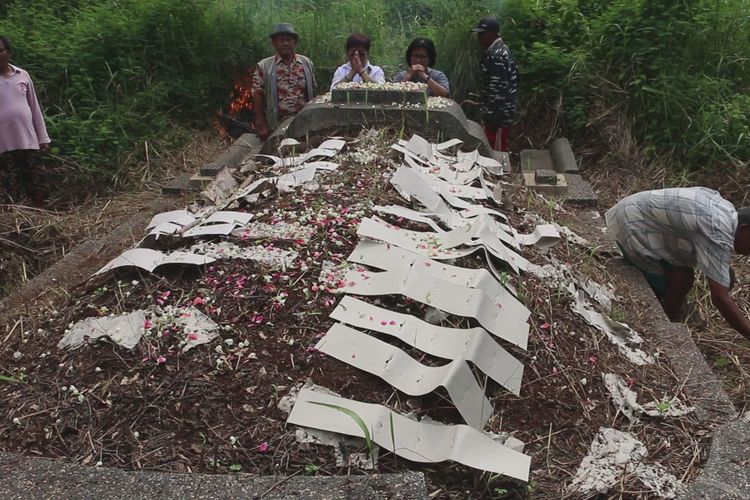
(214, 409)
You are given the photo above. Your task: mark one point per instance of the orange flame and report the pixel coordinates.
(242, 94)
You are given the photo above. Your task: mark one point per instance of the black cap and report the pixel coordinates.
(284, 29)
(487, 24)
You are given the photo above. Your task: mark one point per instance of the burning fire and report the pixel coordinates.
(242, 95)
(241, 116)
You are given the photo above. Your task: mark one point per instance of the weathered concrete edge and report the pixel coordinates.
(724, 475)
(27, 478)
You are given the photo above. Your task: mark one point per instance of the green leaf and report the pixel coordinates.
(721, 362)
(357, 419)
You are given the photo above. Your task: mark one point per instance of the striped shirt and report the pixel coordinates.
(690, 227)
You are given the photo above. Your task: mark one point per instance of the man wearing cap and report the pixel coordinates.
(499, 84)
(282, 83)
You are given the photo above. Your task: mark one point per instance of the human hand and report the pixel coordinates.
(357, 66)
(419, 70)
(44, 147)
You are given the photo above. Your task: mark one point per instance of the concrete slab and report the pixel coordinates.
(562, 156)
(545, 177)
(234, 156)
(22, 478)
(370, 96)
(579, 191)
(445, 123)
(559, 188)
(200, 181)
(536, 159)
(726, 474)
(179, 185)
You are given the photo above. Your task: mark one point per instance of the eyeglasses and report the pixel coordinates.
(353, 53)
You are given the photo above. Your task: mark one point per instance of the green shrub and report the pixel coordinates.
(114, 73)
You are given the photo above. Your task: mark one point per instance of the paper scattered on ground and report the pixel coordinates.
(614, 454)
(443, 245)
(272, 257)
(443, 295)
(473, 344)
(626, 401)
(620, 334)
(406, 374)
(149, 259)
(392, 258)
(416, 441)
(343, 446)
(125, 330)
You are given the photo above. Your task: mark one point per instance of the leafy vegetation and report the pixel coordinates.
(115, 75)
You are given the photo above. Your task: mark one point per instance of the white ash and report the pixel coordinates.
(279, 231)
(614, 454)
(626, 401)
(125, 330)
(272, 257)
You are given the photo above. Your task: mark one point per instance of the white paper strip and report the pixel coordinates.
(415, 441)
(408, 213)
(288, 161)
(453, 299)
(447, 144)
(227, 217)
(334, 144)
(419, 146)
(179, 217)
(289, 141)
(148, 259)
(392, 258)
(209, 230)
(288, 182)
(165, 228)
(543, 237)
(407, 374)
(473, 344)
(414, 184)
(442, 245)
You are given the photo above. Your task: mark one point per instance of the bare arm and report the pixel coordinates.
(728, 308)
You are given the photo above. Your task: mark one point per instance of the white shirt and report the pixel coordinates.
(375, 72)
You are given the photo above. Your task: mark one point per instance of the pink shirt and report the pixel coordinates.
(21, 121)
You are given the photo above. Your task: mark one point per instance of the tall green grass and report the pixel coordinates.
(115, 73)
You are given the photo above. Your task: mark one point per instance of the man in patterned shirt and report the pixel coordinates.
(282, 83)
(668, 232)
(499, 84)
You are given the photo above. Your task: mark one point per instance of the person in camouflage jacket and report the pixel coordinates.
(499, 84)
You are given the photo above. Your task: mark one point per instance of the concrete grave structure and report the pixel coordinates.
(554, 171)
